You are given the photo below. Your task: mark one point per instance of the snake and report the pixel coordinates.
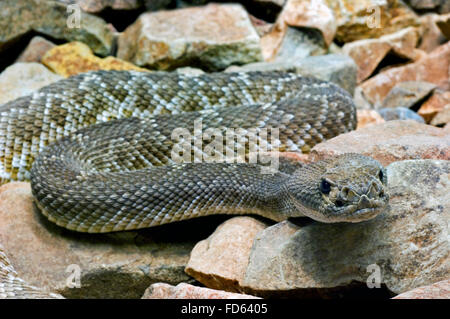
(112, 151)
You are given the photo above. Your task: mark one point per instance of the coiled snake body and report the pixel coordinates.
(122, 175)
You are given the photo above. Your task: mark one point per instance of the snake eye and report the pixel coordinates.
(381, 175)
(325, 187)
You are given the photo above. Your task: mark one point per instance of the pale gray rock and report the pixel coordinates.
(336, 68)
(408, 243)
(22, 78)
(400, 113)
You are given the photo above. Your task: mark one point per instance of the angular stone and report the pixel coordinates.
(310, 14)
(433, 68)
(337, 68)
(442, 6)
(21, 79)
(368, 118)
(408, 93)
(368, 53)
(76, 57)
(116, 265)
(400, 113)
(35, 50)
(404, 247)
(442, 117)
(214, 37)
(390, 142)
(219, 261)
(186, 291)
(298, 44)
(436, 103)
(431, 35)
(357, 20)
(19, 17)
(439, 290)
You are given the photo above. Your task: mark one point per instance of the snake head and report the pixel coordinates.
(346, 188)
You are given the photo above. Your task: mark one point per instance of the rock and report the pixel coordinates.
(408, 94)
(35, 50)
(262, 27)
(213, 37)
(400, 113)
(336, 68)
(19, 17)
(439, 290)
(389, 142)
(436, 103)
(339, 69)
(431, 35)
(187, 70)
(368, 118)
(442, 117)
(404, 247)
(116, 265)
(368, 53)
(310, 14)
(220, 260)
(8, 276)
(433, 68)
(357, 20)
(444, 24)
(95, 6)
(76, 57)
(303, 28)
(22, 79)
(186, 291)
(441, 6)
(298, 44)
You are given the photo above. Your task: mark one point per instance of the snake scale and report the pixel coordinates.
(121, 175)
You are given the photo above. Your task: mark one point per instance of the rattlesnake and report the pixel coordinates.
(121, 175)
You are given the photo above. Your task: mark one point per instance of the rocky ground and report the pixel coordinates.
(393, 56)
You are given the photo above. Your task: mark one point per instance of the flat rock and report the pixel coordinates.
(400, 113)
(116, 265)
(403, 248)
(390, 142)
(8, 277)
(356, 20)
(213, 36)
(35, 50)
(433, 68)
(219, 261)
(408, 93)
(76, 57)
(368, 118)
(186, 291)
(22, 78)
(439, 290)
(435, 104)
(368, 53)
(337, 68)
(20, 17)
